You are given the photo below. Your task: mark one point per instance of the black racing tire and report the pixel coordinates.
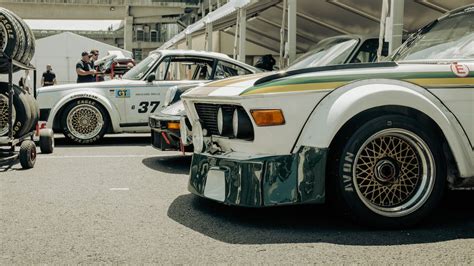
(390, 172)
(84, 121)
(20, 37)
(46, 141)
(8, 34)
(28, 41)
(27, 154)
(34, 110)
(22, 109)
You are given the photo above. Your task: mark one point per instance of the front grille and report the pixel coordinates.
(208, 115)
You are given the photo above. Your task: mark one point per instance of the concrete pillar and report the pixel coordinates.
(242, 34)
(209, 36)
(395, 24)
(128, 33)
(291, 31)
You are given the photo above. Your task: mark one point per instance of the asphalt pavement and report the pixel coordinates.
(124, 202)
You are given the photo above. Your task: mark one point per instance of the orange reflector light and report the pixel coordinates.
(173, 125)
(268, 117)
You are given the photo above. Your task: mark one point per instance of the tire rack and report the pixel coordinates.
(8, 153)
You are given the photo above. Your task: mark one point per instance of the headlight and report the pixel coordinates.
(170, 95)
(241, 125)
(198, 138)
(151, 122)
(224, 122)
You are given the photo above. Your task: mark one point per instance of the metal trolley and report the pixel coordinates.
(9, 153)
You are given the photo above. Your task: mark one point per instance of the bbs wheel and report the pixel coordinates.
(84, 121)
(391, 171)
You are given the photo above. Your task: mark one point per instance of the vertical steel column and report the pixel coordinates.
(10, 98)
(395, 24)
(209, 36)
(242, 34)
(291, 31)
(189, 41)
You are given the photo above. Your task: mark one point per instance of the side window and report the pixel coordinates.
(225, 70)
(185, 68)
(161, 70)
(368, 52)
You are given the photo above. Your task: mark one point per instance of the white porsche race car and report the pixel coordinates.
(384, 140)
(85, 112)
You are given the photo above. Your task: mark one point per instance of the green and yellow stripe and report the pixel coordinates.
(428, 79)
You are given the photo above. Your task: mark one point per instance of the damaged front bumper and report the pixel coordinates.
(262, 180)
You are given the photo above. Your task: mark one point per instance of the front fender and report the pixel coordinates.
(111, 109)
(342, 104)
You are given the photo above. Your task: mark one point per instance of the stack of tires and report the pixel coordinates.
(16, 38)
(17, 42)
(25, 111)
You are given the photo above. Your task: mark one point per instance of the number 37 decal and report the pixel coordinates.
(144, 106)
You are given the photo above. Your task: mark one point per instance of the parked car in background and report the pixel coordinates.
(345, 49)
(384, 139)
(85, 112)
(113, 66)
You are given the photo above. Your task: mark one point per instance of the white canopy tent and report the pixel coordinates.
(63, 51)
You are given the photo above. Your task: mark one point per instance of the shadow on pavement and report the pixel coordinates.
(317, 223)
(172, 165)
(112, 140)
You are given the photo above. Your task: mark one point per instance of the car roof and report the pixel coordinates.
(215, 55)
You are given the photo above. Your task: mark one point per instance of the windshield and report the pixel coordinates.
(327, 52)
(138, 71)
(451, 38)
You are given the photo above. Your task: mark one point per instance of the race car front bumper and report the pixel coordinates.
(236, 179)
(162, 137)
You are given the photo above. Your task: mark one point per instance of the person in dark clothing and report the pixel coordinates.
(49, 78)
(84, 70)
(94, 55)
(266, 62)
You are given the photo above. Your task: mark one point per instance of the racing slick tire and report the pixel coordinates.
(27, 154)
(22, 113)
(46, 141)
(391, 171)
(84, 121)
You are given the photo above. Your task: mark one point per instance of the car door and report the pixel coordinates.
(171, 71)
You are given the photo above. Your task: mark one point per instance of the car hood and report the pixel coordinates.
(105, 84)
(226, 87)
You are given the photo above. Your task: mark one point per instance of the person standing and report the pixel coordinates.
(94, 56)
(84, 70)
(49, 78)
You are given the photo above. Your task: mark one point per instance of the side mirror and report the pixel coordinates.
(151, 78)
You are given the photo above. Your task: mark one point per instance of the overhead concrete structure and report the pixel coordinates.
(145, 22)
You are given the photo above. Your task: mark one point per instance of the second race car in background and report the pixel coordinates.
(85, 112)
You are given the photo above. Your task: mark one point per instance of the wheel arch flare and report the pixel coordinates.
(112, 111)
(343, 104)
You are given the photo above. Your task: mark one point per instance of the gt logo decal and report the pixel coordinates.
(347, 171)
(122, 93)
(144, 107)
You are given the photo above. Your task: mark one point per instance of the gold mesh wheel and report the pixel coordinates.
(4, 114)
(394, 172)
(85, 121)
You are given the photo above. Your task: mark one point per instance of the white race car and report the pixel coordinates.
(384, 140)
(85, 112)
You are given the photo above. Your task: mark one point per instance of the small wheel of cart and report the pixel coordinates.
(27, 154)
(46, 141)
